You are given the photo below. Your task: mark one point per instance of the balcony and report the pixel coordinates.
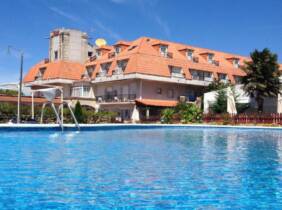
(116, 98)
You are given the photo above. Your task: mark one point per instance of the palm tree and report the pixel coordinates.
(262, 76)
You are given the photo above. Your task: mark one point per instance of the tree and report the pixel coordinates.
(262, 76)
(220, 105)
(78, 112)
(216, 84)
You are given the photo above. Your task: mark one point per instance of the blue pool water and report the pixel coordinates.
(166, 168)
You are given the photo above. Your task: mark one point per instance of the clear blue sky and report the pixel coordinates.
(237, 26)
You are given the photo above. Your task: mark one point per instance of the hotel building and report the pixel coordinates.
(134, 78)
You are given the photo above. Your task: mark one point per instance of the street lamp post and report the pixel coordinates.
(20, 82)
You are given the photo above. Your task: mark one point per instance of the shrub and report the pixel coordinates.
(167, 115)
(191, 113)
(8, 92)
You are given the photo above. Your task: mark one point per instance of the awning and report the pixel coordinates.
(26, 99)
(155, 102)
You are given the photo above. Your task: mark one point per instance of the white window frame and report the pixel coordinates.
(163, 50)
(190, 55)
(236, 63)
(210, 57)
(81, 91)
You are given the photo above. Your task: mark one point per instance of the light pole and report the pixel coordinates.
(20, 82)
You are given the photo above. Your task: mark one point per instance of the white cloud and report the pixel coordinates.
(163, 25)
(65, 14)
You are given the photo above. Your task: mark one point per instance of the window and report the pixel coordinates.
(238, 79)
(90, 54)
(104, 69)
(163, 50)
(80, 91)
(201, 75)
(176, 71)
(121, 65)
(170, 93)
(56, 55)
(190, 55)
(210, 57)
(98, 53)
(236, 63)
(40, 73)
(222, 77)
(89, 71)
(117, 50)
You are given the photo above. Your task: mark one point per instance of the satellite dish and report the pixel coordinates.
(100, 42)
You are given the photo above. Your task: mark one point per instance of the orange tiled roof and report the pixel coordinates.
(56, 70)
(144, 57)
(155, 102)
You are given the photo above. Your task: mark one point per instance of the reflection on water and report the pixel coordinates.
(157, 168)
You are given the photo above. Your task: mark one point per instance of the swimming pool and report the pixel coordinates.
(153, 168)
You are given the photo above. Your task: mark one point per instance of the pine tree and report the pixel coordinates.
(262, 76)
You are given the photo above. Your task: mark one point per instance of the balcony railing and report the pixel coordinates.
(116, 98)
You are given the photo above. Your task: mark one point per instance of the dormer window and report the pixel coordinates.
(236, 63)
(210, 57)
(89, 71)
(104, 69)
(98, 53)
(117, 50)
(121, 65)
(190, 54)
(176, 71)
(163, 50)
(40, 73)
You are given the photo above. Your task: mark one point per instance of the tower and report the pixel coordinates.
(69, 45)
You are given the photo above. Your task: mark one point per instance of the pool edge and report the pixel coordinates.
(89, 127)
